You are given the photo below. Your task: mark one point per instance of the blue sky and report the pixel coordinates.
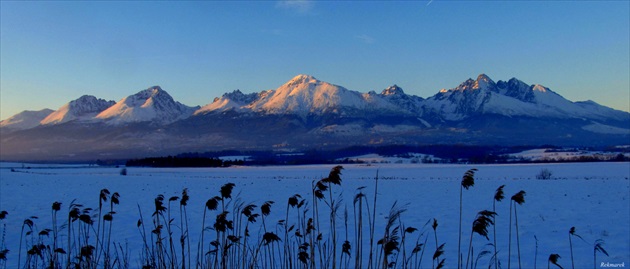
(53, 52)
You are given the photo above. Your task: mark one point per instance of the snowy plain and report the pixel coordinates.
(592, 197)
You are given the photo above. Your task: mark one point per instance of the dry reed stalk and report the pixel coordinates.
(598, 247)
(468, 180)
(498, 197)
(518, 198)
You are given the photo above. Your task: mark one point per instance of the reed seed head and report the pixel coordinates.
(87, 219)
(266, 208)
(45, 232)
(185, 197)
(410, 230)
(345, 248)
(56, 206)
(358, 197)
(440, 265)
(226, 190)
(480, 225)
(252, 218)
(321, 185)
(248, 209)
(498, 194)
(270, 237)
(599, 246)
(417, 248)
(439, 251)
(104, 194)
(293, 200)
(468, 180)
(334, 176)
(553, 258)
(213, 203)
(29, 223)
(109, 216)
(74, 213)
(309, 226)
(303, 257)
(519, 197)
(159, 204)
(115, 198)
(319, 194)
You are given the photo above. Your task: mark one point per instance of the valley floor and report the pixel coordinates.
(592, 197)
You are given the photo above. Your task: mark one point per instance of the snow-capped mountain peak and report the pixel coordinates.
(511, 98)
(539, 88)
(302, 78)
(393, 90)
(83, 108)
(25, 120)
(152, 104)
(305, 94)
(302, 93)
(407, 103)
(483, 82)
(235, 100)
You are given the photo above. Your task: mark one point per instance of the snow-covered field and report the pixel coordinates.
(592, 197)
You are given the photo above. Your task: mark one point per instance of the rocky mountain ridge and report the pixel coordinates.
(308, 113)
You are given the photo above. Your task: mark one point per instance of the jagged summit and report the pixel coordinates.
(306, 112)
(484, 82)
(306, 95)
(234, 100)
(512, 98)
(393, 90)
(152, 104)
(302, 78)
(84, 108)
(303, 94)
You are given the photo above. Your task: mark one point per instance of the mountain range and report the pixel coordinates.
(307, 113)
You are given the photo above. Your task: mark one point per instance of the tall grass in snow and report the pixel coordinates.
(572, 233)
(358, 220)
(88, 240)
(244, 235)
(372, 221)
(598, 247)
(390, 240)
(439, 251)
(434, 226)
(498, 197)
(518, 198)
(3, 248)
(468, 180)
(480, 226)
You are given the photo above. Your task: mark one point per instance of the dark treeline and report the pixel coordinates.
(176, 161)
(442, 154)
(451, 153)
